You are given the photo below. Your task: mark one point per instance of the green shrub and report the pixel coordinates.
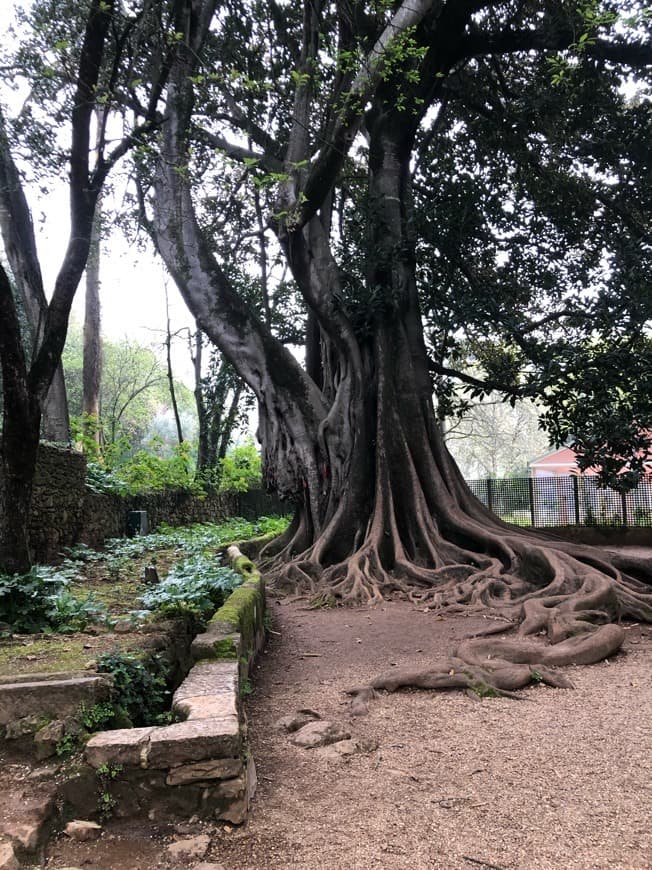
(198, 585)
(126, 473)
(240, 469)
(40, 601)
(140, 693)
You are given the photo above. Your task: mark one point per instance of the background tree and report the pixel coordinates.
(92, 369)
(134, 393)
(492, 439)
(74, 59)
(223, 407)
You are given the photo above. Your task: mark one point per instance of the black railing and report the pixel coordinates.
(526, 501)
(564, 501)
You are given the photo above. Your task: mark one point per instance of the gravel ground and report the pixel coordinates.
(556, 781)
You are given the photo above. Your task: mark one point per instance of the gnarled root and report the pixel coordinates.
(487, 667)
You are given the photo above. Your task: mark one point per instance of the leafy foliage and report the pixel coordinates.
(532, 264)
(148, 470)
(134, 394)
(40, 601)
(197, 539)
(240, 469)
(43, 600)
(140, 693)
(197, 586)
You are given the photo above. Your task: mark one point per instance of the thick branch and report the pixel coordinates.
(633, 54)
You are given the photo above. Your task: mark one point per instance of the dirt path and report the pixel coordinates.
(561, 779)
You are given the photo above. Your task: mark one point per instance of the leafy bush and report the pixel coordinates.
(102, 479)
(40, 601)
(197, 585)
(68, 612)
(140, 693)
(240, 469)
(126, 473)
(96, 717)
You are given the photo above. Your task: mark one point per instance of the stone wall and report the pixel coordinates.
(65, 512)
(105, 516)
(200, 766)
(57, 501)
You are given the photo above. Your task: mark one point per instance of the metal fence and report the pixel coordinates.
(564, 501)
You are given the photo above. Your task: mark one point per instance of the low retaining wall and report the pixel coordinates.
(105, 515)
(200, 766)
(602, 536)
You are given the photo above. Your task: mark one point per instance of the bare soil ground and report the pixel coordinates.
(560, 779)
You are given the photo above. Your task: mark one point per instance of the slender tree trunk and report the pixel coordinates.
(202, 414)
(92, 354)
(170, 373)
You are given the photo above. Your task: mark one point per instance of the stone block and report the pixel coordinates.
(229, 800)
(208, 678)
(125, 746)
(194, 740)
(50, 697)
(208, 706)
(223, 768)
(216, 643)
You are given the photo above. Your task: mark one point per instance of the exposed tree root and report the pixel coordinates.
(491, 668)
(575, 600)
(409, 527)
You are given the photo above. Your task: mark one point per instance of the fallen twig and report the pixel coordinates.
(482, 863)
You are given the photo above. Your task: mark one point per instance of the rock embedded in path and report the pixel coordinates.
(346, 748)
(193, 847)
(294, 721)
(83, 831)
(8, 860)
(321, 733)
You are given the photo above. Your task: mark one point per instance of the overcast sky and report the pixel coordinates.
(132, 282)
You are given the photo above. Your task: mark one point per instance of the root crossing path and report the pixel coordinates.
(441, 780)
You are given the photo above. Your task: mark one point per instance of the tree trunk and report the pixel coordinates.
(19, 242)
(92, 363)
(20, 438)
(170, 373)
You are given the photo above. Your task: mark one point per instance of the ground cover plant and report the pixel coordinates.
(92, 591)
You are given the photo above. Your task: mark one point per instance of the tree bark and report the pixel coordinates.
(170, 373)
(19, 242)
(20, 437)
(92, 353)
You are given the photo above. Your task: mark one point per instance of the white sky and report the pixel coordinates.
(132, 282)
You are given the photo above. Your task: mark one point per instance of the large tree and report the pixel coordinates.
(327, 107)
